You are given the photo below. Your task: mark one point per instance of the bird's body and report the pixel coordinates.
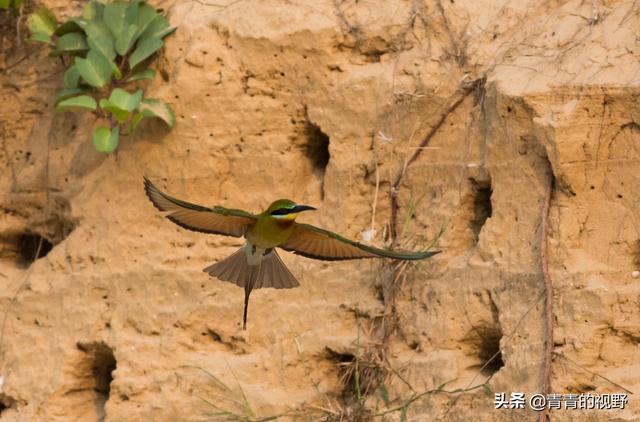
(257, 264)
(269, 231)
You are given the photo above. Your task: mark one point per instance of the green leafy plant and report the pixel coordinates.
(6, 4)
(105, 49)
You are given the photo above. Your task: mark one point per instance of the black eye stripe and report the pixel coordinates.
(282, 211)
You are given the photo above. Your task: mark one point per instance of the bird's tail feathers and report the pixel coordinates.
(233, 269)
(271, 272)
(274, 273)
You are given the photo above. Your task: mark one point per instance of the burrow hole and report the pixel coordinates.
(368, 369)
(6, 402)
(23, 245)
(317, 150)
(102, 363)
(485, 341)
(481, 206)
(489, 349)
(635, 252)
(345, 365)
(32, 246)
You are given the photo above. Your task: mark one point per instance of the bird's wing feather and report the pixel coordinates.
(216, 220)
(317, 243)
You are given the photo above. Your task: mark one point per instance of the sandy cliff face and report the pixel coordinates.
(413, 120)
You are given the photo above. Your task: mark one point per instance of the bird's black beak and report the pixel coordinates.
(300, 208)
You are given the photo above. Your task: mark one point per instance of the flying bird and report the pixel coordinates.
(257, 264)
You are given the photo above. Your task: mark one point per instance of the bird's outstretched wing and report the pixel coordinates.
(314, 242)
(216, 220)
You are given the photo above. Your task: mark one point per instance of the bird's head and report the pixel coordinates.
(286, 209)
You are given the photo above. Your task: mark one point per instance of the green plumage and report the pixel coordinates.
(257, 264)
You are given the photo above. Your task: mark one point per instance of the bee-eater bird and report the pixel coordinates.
(257, 264)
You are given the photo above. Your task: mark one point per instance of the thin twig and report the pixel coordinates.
(463, 91)
(9, 66)
(20, 14)
(221, 6)
(548, 287)
(438, 390)
(560, 355)
(374, 205)
(5, 317)
(35, 255)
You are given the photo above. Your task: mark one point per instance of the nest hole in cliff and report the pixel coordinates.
(101, 364)
(3, 406)
(635, 252)
(360, 375)
(31, 238)
(6, 402)
(317, 149)
(489, 350)
(484, 338)
(32, 246)
(481, 206)
(23, 247)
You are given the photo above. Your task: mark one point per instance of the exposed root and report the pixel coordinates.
(548, 287)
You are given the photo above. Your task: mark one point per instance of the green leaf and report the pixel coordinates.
(73, 42)
(82, 23)
(95, 69)
(121, 103)
(67, 27)
(92, 11)
(83, 102)
(41, 37)
(65, 93)
(131, 16)
(42, 24)
(106, 140)
(146, 15)
(159, 27)
(144, 49)
(121, 115)
(100, 39)
(4, 4)
(151, 107)
(124, 100)
(97, 28)
(125, 39)
(42, 20)
(137, 118)
(115, 70)
(71, 77)
(145, 74)
(115, 16)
